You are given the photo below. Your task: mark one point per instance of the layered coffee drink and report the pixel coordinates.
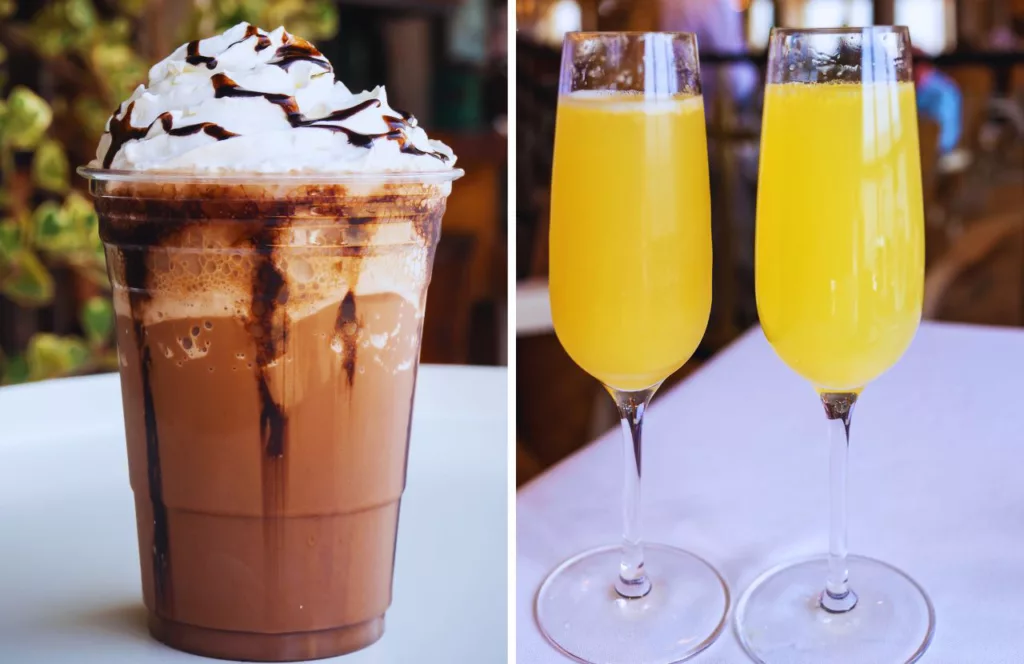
(269, 241)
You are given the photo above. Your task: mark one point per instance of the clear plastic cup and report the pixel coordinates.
(268, 331)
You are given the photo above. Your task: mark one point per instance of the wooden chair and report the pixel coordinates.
(940, 188)
(980, 240)
(470, 265)
(961, 176)
(446, 323)
(928, 139)
(977, 83)
(1017, 80)
(475, 208)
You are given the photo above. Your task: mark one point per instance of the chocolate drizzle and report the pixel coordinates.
(122, 131)
(225, 87)
(299, 50)
(193, 58)
(269, 290)
(209, 128)
(136, 280)
(292, 50)
(347, 326)
(161, 559)
(262, 40)
(397, 133)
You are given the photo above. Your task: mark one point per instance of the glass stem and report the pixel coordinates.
(632, 582)
(837, 596)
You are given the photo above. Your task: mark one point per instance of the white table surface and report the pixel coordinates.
(72, 594)
(533, 308)
(735, 469)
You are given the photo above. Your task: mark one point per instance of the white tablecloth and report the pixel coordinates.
(735, 469)
(69, 568)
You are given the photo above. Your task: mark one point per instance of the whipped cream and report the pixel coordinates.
(249, 101)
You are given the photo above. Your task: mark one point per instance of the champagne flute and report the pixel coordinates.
(630, 297)
(839, 279)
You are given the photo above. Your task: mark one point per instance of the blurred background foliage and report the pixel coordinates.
(64, 67)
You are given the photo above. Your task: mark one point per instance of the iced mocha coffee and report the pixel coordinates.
(269, 240)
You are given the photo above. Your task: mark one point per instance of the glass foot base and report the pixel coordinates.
(779, 620)
(580, 612)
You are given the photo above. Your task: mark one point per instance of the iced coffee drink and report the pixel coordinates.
(269, 240)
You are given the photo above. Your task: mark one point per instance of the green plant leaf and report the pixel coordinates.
(118, 29)
(10, 241)
(81, 247)
(80, 213)
(53, 231)
(80, 14)
(3, 119)
(97, 318)
(231, 12)
(15, 370)
(133, 7)
(28, 284)
(50, 167)
(122, 67)
(62, 26)
(82, 217)
(52, 356)
(92, 115)
(319, 20)
(7, 7)
(26, 119)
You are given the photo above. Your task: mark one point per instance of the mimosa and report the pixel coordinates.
(630, 234)
(630, 278)
(839, 267)
(840, 230)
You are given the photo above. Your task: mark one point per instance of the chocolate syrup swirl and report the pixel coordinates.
(262, 40)
(121, 131)
(136, 279)
(269, 290)
(161, 558)
(397, 133)
(347, 326)
(209, 128)
(225, 87)
(299, 50)
(293, 49)
(194, 59)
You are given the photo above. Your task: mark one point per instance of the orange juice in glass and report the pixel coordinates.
(630, 234)
(630, 281)
(839, 267)
(840, 248)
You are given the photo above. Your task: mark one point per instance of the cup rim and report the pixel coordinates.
(597, 34)
(177, 177)
(850, 30)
